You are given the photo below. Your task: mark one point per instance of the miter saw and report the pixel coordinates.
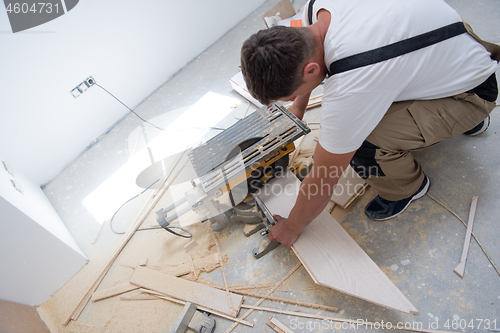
(233, 165)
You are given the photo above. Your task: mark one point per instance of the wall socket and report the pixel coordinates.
(82, 87)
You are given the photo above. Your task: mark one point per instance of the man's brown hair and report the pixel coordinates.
(272, 61)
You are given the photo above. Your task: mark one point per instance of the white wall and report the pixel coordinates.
(129, 47)
(37, 253)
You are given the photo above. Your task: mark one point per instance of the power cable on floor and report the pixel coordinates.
(465, 224)
(152, 228)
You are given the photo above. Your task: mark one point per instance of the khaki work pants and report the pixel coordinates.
(409, 126)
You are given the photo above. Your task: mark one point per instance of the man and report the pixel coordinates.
(375, 114)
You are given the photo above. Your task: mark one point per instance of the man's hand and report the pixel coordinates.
(281, 232)
(314, 194)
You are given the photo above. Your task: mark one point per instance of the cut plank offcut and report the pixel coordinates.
(113, 291)
(350, 186)
(278, 326)
(185, 290)
(460, 269)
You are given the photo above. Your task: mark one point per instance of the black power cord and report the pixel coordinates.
(166, 228)
(93, 82)
(144, 120)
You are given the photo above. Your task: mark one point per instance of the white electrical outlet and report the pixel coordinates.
(75, 92)
(90, 81)
(82, 87)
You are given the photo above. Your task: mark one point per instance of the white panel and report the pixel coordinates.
(37, 253)
(33, 203)
(34, 263)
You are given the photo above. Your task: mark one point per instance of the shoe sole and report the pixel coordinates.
(483, 129)
(417, 196)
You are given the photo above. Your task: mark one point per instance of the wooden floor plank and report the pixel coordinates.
(185, 290)
(278, 326)
(331, 256)
(348, 187)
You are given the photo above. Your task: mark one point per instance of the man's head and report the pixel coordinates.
(273, 60)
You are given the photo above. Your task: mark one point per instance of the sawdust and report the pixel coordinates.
(257, 272)
(160, 251)
(178, 263)
(306, 149)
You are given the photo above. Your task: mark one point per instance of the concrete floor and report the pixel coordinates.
(417, 250)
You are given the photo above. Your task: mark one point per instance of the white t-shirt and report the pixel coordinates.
(355, 101)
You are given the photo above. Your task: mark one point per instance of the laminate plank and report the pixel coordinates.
(278, 326)
(331, 256)
(348, 188)
(201, 308)
(185, 290)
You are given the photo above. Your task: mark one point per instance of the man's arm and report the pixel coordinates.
(315, 192)
(299, 105)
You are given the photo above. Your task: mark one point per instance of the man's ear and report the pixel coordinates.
(311, 68)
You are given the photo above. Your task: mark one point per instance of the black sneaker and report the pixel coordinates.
(380, 209)
(480, 128)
